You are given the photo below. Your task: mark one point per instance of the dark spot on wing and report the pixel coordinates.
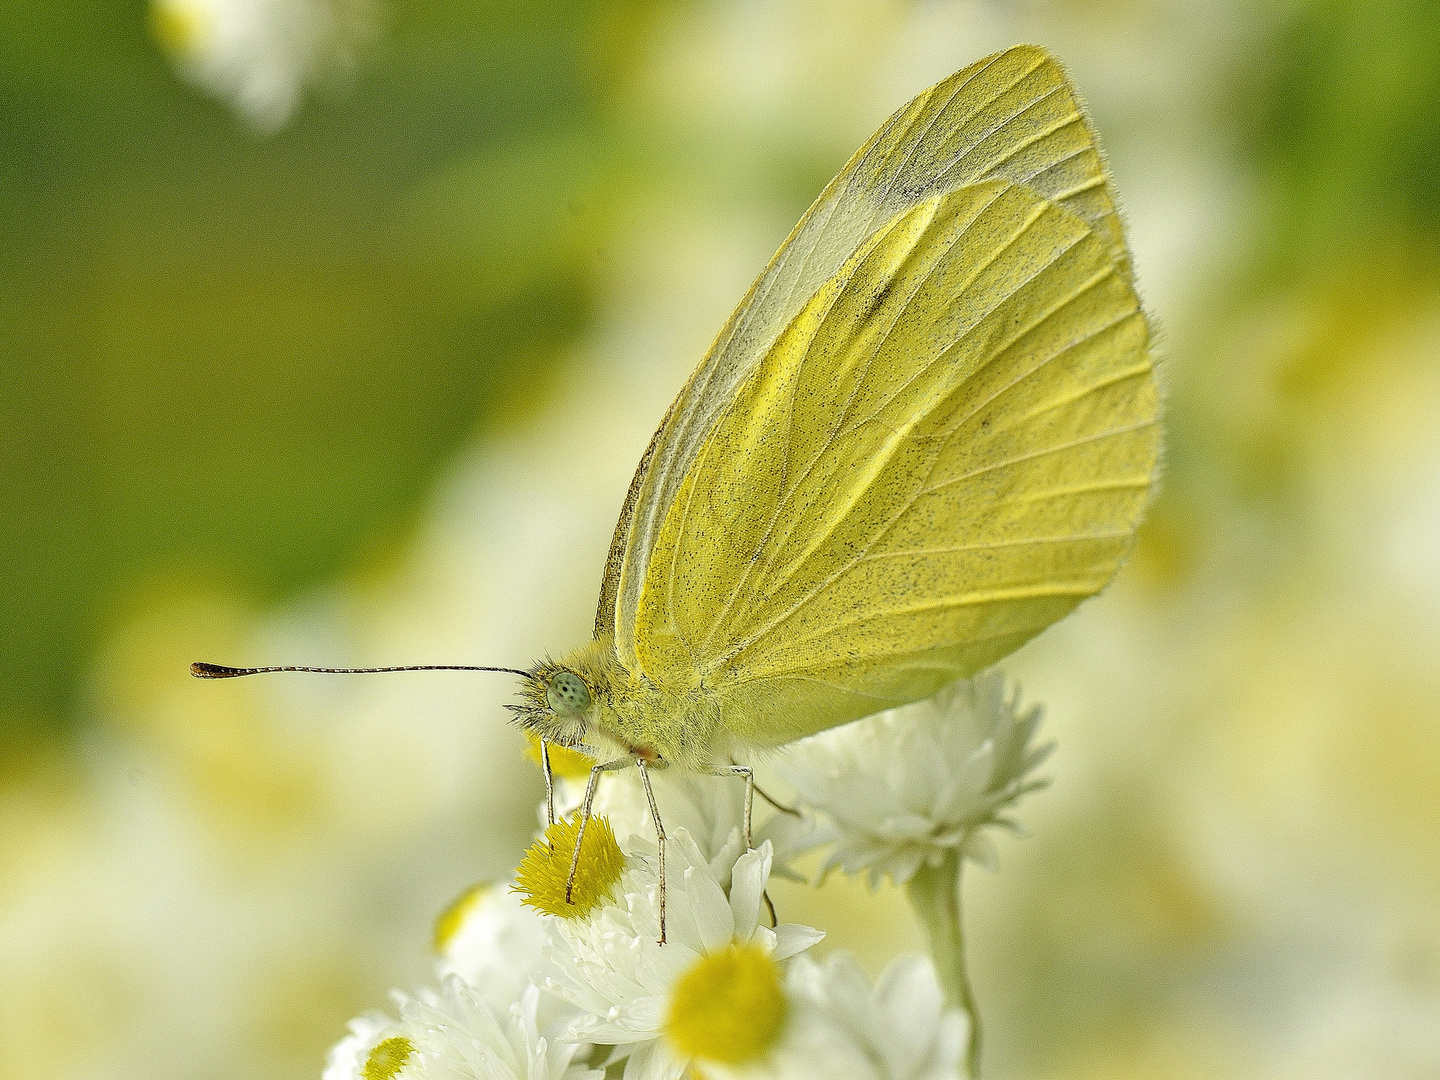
(876, 301)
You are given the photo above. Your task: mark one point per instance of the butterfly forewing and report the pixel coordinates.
(1013, 115)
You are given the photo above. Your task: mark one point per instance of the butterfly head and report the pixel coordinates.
(558, 704)
(589, 702)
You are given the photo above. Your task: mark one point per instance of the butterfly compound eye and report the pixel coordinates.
(568, 694)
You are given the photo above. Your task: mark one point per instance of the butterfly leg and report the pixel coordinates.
(749, 775)
(549, 786)
(770, 904)
(750, 789)
(659, 836)
(609, 766)
(777, 804)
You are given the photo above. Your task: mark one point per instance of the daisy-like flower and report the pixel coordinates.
(375, 1049)
(459, 1036)
(838, 1025)
(910, 786)
(456, 1035)
(712, 989)
(261, 55)
(489, 939)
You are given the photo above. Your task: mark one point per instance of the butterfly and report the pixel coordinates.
(930, 429)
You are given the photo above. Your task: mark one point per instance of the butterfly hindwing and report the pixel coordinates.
(946, 450)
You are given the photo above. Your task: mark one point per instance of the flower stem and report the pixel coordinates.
(935, 895)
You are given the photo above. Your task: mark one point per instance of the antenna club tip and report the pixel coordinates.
(202, 670)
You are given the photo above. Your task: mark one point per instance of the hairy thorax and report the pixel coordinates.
(627, 714)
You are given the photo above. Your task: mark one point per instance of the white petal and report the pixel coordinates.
(909, 996)
(654, 1061)
(967, 789)
(906, 825)
(793, 938)
(710, 910)
(747, 883)
(981, 848)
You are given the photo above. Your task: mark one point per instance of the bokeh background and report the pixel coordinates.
(332, 332)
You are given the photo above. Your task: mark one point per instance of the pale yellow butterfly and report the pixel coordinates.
(929, 430)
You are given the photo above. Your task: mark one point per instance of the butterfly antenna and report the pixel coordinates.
(202, 670)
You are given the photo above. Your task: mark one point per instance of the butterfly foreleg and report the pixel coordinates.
(609, 766)
(549, 787)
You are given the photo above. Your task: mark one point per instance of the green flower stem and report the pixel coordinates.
(935, 895)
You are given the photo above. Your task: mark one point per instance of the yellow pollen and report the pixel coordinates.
(180, 26)
(728, 1007)
(454, 916)
(540, 877)
(387, 1058)
(564, 762)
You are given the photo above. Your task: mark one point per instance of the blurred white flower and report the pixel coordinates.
(456, 1034)
(261, 55)
(905, 787)
(611, 967)
(489, 939)
(839, 1026)
(460, 1036)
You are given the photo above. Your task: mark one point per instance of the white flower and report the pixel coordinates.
(347, 1058)
(611, 967)
(456, 1035)
(491, 940)
(261, 55)
(904, 787)
(840, 1028)
(459, 1036)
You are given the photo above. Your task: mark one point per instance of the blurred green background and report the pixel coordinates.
(332, 332)
(245, 356)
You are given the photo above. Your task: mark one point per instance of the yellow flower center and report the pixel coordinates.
(728, 1007)
(387, 1058)
(565, 763)
(542, 873)
(454, 916)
